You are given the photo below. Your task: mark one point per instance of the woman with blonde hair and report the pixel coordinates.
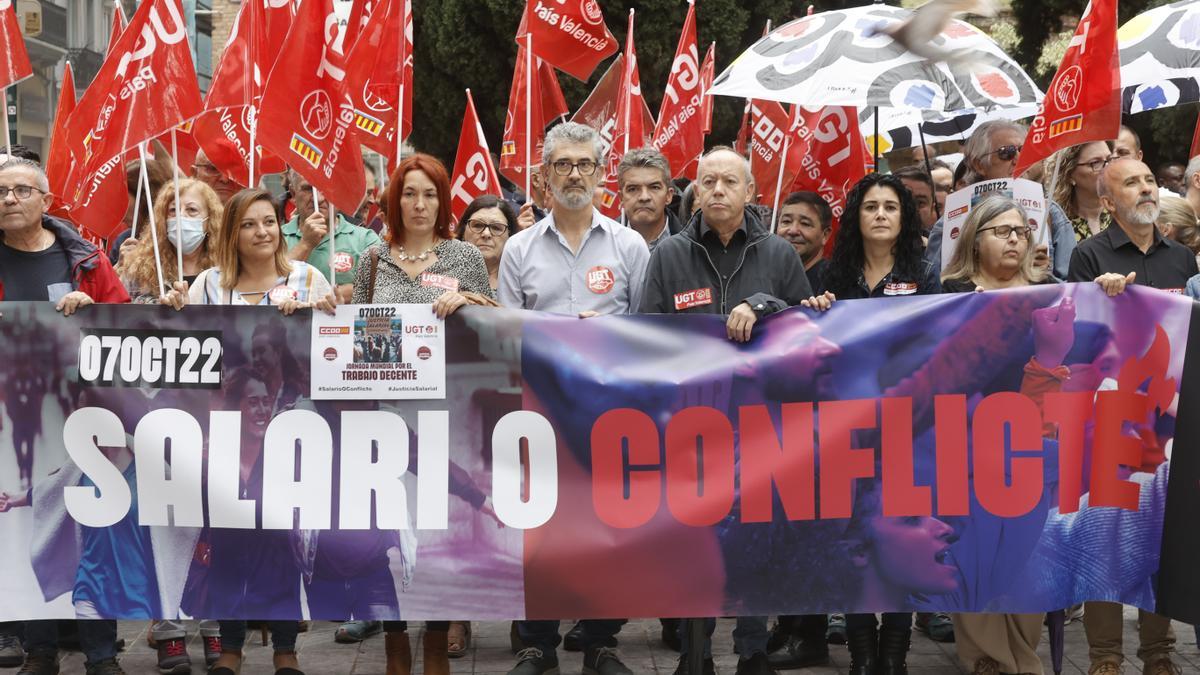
(994, 249)
(1075, 186)
(1177, 220)
(199, 221)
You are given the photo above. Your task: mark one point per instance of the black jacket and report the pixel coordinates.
(770, 276)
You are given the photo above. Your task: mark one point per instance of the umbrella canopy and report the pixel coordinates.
(840, 58)
(1160, 57)
(898, 126)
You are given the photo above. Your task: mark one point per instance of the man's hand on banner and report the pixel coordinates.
(741, 320)
(1054, 333)
(1114, 284)
(177, 297)
(73, 301)
(821, 303)
(10, 501)
(447, 303)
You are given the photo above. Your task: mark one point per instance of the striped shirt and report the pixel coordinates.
(305, 283)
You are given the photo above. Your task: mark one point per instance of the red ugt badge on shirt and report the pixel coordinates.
(694, 298)
(600, 279)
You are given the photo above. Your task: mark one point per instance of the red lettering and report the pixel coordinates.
(1070, 411)
(610, 469)
(840, 463)
(1112, 448)
(767, 464)
(1024, 424)
(950, 439)
(699, 466)
(901, 497)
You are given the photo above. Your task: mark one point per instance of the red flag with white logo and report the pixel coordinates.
(101, 198)
(522, 121)
(554, 104)
(707, 72)
(833, 155)
(14, 60)
(474, 175)
(1083, 102)
(360, 14)
(116, 28)
(631, 131)
(679, 134)
(375, 80)
(767, 137)
(599, 111)
(58, 160)
(308, 116)
(568, 34)
(145, 87)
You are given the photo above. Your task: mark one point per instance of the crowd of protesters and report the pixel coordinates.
(709, 248)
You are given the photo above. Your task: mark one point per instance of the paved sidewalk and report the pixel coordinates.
(640, 649)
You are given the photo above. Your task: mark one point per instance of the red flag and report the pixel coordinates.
(308, 116)
(832, 154)
(631, 131)
(360, 14)
(768, 130)
(58, 160)
(679, 134)
(474, 175)
(186, 146)
(599, 111)
(225, 136)
(554, 104)
(1083, 102)
(374, 79)
(102, 198)
(568, 34)
(512, 147)
(14, 60)
(117, 27)
(707, 72)
(146, 87)
(1195, 149)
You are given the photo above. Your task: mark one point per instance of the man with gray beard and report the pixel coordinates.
(1135, 248)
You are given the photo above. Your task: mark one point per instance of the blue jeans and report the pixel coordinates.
(894, 620)
(97, 639)
(283, 636)
(749, 636)
(544, 634)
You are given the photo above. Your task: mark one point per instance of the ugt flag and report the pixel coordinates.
(14, 60)
(568, 34)
(474, 175)
(679, 134)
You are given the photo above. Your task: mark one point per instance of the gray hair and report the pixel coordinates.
(643, 158)
(964, 264)
(572, 132)
(979, 145)
(726, 148)
(43, 183)
(1193, 167)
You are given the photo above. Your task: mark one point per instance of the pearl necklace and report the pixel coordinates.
(404, 257)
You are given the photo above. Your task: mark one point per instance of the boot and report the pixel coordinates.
(399, 653)
(864, 647)
(893, 648)
(436, 660)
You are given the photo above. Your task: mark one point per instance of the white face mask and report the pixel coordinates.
(193, 233)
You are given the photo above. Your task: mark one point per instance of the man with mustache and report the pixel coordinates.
(806, 221)
(644, 181)
(1129, 191)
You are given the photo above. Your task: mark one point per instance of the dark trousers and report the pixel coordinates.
(544, 634)
(893, 620)
(283, 635)
(401, 626)
(97, 639)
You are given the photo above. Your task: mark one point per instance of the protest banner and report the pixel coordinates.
(1009, 451)
(1027, 193)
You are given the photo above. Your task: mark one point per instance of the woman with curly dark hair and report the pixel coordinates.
(878, 250)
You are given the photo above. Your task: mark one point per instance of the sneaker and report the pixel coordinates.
(356, 631)
(1105, 668)
(1163, 666)
(173, 658)
(40, 663)
(836, 633)
(1074, 613)
(212, 649)
(800, 653)
(603, 661)
(105, 667)
(531, 661)
(11, 654)
(682, 668)
(757, 664)
(939, 627)
(573, 640)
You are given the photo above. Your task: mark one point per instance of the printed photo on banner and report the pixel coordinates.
(1027, 193)
(379, 352)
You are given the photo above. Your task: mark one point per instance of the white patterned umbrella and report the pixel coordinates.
(1160, 57)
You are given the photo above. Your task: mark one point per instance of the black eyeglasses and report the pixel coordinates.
(478, 227)
(563, 167)
(1095, 165)
(20, 191)
(1006, 153)
(1005, 231)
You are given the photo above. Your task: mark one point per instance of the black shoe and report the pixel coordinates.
(11, 654)
(514, 639)
(670, 634)
(757, 664)
(40, 663)
(531, 661)
(603, 661)
(836, 633)
(893, 650)
(778, 637)
(801, 653)
(864, 650)
(573, 640)
(682, 668)
(105, 667)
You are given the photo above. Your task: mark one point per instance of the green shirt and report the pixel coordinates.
(350, 239)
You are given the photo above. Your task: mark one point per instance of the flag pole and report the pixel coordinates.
(137, 206)
(178, 205)
(400, 79)
(153, 230)
(7, 131)
(528, 115)
(332, 226)
(787, 145)
(248, 79)
(253, 141)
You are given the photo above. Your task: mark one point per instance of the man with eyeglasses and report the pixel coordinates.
(307, 236)
(206, 172)
(991, 152)
(644, 182)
